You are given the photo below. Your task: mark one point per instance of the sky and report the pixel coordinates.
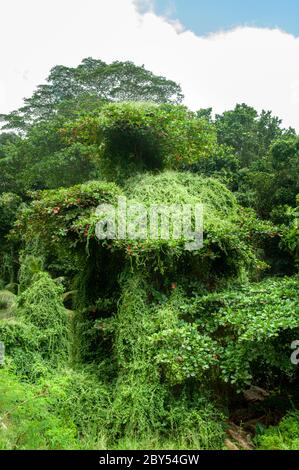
(204, 17)
(222, 52)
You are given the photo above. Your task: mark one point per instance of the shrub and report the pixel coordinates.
(26, 420)
(285, 436)
(134, 137)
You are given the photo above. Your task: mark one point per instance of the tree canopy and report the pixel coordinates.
(71, 90)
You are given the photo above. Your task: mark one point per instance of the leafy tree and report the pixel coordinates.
(285, 161)
(73, 89)
(271, 183)
(118, 139)
(205, 113)
(248, 133)
(9, 204)
(7, 139)
(43, 160)
(223, 164)
(291, 235)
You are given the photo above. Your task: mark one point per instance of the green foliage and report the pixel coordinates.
(224, 165)
(70, 410)
(65, 214)
(6, 139)
(231, 235)
(7, 304)
(16, 334)
(39, 332)
(30, 266)
(183, 187)
(217, 337)
(71, 90)
(80, 397)
(141, 343)
(26, 421)
(195, 421)
(43, 160)
(137, 408)
(9, 204)
(41, 305)
(22, 343)
(182, 353)
(291, 235)
(66, 167)
(134, 137)
(254, 325)
(248, 133)
(272, 182)
(285, 436)
(64, 223)
(144, 404)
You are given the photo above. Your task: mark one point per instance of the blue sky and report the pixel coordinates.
(206, 16)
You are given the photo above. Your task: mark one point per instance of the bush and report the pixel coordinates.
(134, 137)
(39, 334)
(41, 306)
(26, 419)
(285, 436)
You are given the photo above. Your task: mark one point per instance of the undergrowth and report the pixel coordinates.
(285, 436)
(120, 344)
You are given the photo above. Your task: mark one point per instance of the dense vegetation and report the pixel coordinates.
(143, 344)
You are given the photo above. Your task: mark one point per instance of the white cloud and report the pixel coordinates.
(252, 65)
